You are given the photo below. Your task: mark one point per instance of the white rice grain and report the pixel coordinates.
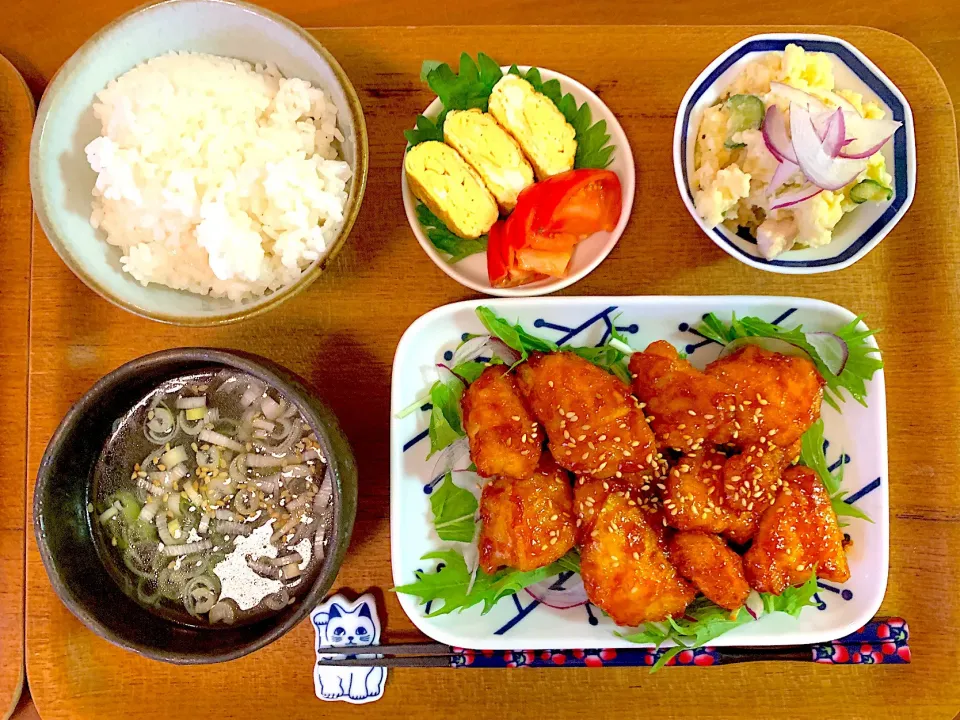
(215, 176)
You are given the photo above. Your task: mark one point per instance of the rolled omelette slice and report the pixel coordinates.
(445, 183)
(544, 134)
(491, 151)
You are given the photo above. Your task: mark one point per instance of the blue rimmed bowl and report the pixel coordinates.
(858, 232)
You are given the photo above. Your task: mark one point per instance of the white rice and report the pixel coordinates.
(215, 176)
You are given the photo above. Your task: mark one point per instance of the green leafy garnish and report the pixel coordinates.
(606, 356)
(426, 129)
(593, 150)
(860, 366)
(811, 455)
(451, 584)
(453, 511)
(702, 622)
(470, 370)
(793, 600)
(445, 241)
(470, 88)
(513, 336)
(445, 426)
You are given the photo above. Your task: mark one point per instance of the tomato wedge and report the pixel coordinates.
(504, 240)
(578, 202)
(550, 218)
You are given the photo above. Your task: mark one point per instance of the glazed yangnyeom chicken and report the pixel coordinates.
(694, 498)
(778, 396)
(711, 567)
(504, 437)
(625, 571)
(593, 423)
(590, 493)
(652, 511)
(526, 523)
(798, 535)
(751, 479)
(686, 409)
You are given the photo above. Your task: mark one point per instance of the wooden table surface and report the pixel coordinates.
(77, 337)
(16, 120)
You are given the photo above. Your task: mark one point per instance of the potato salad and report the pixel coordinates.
(785, 154)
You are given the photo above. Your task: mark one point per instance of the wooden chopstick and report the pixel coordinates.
(882, 641)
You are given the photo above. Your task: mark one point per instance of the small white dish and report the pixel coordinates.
(857, 232)
(521, 622)
(472, 271)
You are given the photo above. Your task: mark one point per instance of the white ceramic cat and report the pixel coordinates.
(342, 624)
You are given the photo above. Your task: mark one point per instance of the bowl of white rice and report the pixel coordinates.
(199, 161)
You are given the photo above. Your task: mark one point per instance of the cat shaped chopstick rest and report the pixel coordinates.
(341, 626)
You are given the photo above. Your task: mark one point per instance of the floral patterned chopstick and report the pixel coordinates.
(883, 641)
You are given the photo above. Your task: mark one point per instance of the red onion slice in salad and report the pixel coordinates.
(571, 594)
(867, 137)
(832, 349)
(484, 346)
(794, 197)
(454, 457)
(785, 170)
(798, 97)
(834, 133)
(820, 168)
(770, 344)
(775, 135)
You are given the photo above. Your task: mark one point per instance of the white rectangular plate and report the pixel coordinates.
(521, 622)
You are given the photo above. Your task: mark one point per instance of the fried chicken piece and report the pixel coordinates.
(625, 571)
(504, 437)
(688, 409)
(798, 535)
(527, 523)
(594, 424)
(778, 396)
(711, 566)
(694, 498)
(589, 495)
(751, 480)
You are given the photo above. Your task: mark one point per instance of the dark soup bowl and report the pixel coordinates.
(64, 526)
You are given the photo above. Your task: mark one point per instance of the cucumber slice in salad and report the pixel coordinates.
(870, 190)
(746, 113)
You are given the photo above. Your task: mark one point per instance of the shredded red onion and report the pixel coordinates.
(829, 173)
(450, 457)
(794, 197)
(785, 170)
(570, 595)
